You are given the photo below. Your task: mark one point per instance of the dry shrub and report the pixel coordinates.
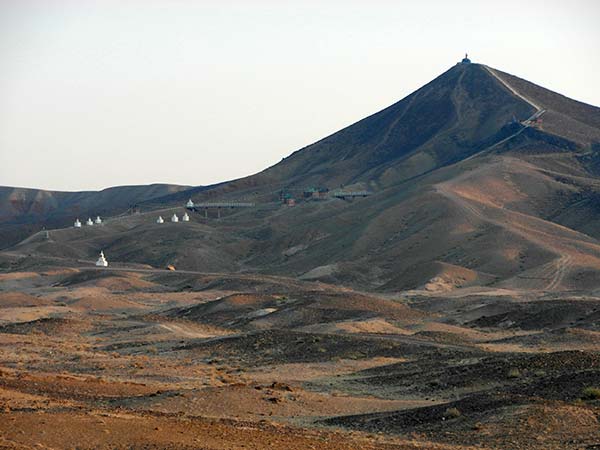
(590, 393)
(514, 373)
(452, 413)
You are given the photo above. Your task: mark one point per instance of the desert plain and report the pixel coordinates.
(134, 357)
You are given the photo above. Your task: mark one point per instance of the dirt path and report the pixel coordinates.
(562, 266)
(81, 264)
(525, 124)
(531, 228)
(493, 146)
(388, 132)
(185, 331)
(511, 89)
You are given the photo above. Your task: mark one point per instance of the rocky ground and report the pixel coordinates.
(140, 359)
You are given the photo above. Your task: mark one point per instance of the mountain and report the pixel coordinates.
(477, 178)
(23, 211)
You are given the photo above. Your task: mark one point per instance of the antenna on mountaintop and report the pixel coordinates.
(466, 59)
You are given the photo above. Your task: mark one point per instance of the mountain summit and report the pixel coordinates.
(459, 113)
(478, 177)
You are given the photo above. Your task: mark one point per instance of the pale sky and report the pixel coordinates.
(101, 93)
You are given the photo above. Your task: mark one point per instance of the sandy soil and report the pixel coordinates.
(133, 362)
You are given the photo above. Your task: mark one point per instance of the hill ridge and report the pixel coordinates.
(467, 187)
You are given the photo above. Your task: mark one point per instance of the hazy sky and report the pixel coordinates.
(102, 93)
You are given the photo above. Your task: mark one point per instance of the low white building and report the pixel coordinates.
(102, 262)
(160, 220)
(185, 217)
(189, 204)
(174, 218)
(77, 223)
(89, 221)
(98, 220)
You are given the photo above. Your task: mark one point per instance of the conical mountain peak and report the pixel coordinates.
(448, 119)
(476, 177)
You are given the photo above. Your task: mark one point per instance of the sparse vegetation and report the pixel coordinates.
(514, 373)
(590, 393)
(452, 413)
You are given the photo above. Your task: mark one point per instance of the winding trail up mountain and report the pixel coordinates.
(512, 89)
(460, 191)
(567, 249)
(539, 111)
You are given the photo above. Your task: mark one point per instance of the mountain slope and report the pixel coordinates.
(25, 210)
(450, 118)
(466, 190)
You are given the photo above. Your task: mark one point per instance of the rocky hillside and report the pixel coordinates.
(478, 177)
(23, 211)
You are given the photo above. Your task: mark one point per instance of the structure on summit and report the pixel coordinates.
(466, 59)
(102, 262)
(77, 223)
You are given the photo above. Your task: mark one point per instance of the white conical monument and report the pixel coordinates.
(185, 217)
(160, 220)
(77, 223)
(174, 218)
(189, 204)
(102, 262)
(89, 221)
(98, 220)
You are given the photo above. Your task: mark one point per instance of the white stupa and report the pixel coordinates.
(77, 223)
(89, 221)
(189, 204)
(174, 218)
(98, 219)
(102, 262)
(160, 220)
(185, 217)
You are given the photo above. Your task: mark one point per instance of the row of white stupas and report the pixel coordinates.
(174, 218)
(98, 221)
(102, 262)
